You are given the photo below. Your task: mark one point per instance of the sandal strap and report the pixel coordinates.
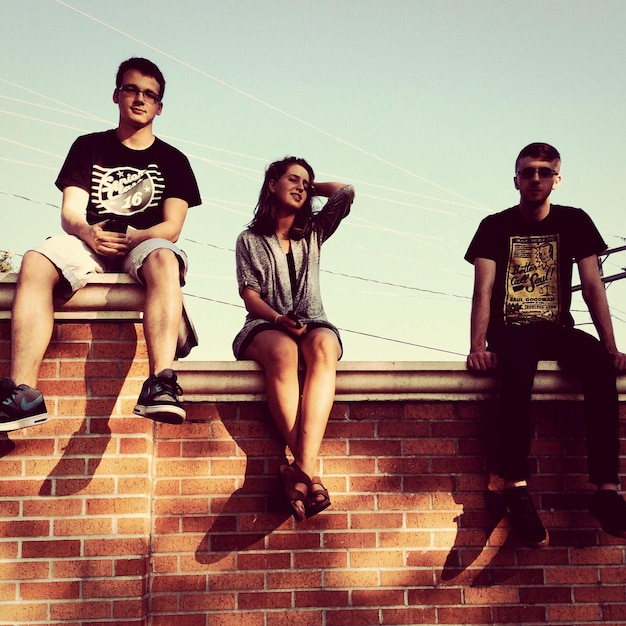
(316, 480)
(318, 499)
(292, 475)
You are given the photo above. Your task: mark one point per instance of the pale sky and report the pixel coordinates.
(421, 105)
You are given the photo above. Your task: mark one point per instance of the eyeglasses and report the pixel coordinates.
(529, 172)
(134, 91)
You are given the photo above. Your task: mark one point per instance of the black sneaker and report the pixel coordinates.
(609, 508)
(525, 522)
(158, 399)
(20, 406)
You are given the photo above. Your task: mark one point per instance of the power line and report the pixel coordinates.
(606, 279)
(344, 330)
(264, 103)
(232, 251)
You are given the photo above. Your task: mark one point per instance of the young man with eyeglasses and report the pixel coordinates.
(523, 259)
(125, 199)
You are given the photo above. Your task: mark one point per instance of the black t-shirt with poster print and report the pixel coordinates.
(534, 262)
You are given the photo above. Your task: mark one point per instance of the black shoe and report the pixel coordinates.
(158, 399)
(609, 508)
(525, 522)
(20, 406)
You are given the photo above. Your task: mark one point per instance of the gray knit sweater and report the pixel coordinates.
(262, 266)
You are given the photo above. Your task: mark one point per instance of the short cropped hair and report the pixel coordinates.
(146, 67)
(541, 151)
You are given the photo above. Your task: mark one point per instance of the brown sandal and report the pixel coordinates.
(315, 504)
(292, 475)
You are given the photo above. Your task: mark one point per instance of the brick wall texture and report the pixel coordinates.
(107, 518)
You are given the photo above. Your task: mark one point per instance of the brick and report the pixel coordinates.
(118, 506)
(377, 597)
(378, 447)
(376, 558)
(50, 549)
(414, 616)
(24, 612)
(379, 411)
(283, 618)
(114, 546)
(23, 570)
(25, 528)
(133, 526)
(82, 568)
(353, 617)
(614, 613)
(264, 561)
(578, 614)
(295, 541)
(348, 540)
(68, 590)
(464, 615)
(8, 592)
(238, 581)
(261, 600)
(82, 610)
(520, 614)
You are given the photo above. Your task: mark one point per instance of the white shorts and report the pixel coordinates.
(76, 260)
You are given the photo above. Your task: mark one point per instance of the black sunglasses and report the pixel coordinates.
(544, 172)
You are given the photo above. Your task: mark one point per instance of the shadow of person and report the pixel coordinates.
(258, 507)
(6, 445)
(482, 511)
(472, 524)
(84, 450)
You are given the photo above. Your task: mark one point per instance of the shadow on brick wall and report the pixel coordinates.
(258, 507)
(6, 445)
(104, 380)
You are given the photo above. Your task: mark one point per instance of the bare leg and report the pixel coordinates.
(32, 319)
(278, 355)
(320, 349)
(163, 308)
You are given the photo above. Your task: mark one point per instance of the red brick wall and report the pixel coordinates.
(106, 518)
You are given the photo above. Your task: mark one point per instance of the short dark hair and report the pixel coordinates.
(543, 151)
(264, 220)
(146, 67)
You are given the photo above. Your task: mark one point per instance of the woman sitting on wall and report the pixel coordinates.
(278, 258)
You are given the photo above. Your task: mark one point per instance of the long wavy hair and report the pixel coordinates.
(265, 221)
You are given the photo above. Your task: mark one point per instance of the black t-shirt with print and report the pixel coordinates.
(124, 184)
(534, 262)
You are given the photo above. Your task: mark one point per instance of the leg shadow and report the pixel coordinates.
(83, 454)
(6, 445)
(473, 523)
(482, 512)
(258, 507)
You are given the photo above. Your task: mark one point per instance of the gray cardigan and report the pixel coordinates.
(262, 266)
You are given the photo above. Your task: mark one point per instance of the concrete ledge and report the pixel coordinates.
(226, 381)
(107, 297)
(117, 297)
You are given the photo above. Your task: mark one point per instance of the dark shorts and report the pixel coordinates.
(271, 326)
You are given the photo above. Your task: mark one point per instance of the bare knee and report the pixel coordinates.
(37, 270)
(321, 349)
(275, 352)
(159, 264)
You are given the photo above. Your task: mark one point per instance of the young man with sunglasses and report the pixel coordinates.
(523, 259)
(125, 199)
